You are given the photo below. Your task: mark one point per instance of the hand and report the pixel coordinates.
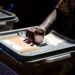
(35, 35)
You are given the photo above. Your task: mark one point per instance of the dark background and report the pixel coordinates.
(33, 12)
(30, 12)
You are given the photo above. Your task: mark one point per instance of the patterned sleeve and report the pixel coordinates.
(66, 6)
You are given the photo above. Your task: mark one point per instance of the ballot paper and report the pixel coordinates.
(53, 39)
(18, 43)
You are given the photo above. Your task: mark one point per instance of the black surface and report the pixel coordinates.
(5, 70)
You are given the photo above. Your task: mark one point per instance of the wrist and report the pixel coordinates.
(41, 29)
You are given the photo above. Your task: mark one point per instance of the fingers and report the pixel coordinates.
(29, 41)
(35, 39)
(38, 39)
(29, 34)
(35, 36)
(32, 44)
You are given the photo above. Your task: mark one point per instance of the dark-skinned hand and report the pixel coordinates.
(35, 35)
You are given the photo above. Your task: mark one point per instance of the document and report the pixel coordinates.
(17, 43)
(53, 39)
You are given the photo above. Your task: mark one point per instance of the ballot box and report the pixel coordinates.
(35, 60)
(54, 45)
(7, 20)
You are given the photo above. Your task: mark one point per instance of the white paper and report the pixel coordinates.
(13, 45)
(52, 39)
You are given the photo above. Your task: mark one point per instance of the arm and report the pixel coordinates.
(36, 35)
(49, 20)
(51, 17)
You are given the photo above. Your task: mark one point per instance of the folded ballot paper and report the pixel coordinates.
(53, 39)
(17, 42)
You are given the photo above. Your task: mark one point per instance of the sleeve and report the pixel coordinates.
(67, 7)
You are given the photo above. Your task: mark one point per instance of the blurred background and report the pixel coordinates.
(29, 12)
